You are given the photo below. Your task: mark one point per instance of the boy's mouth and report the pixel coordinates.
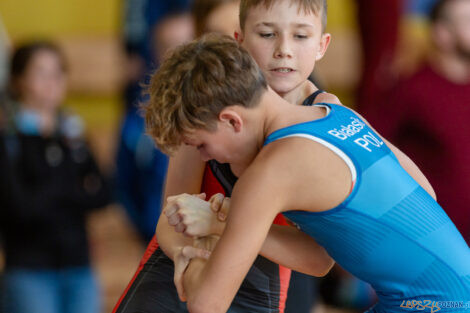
(282, 70)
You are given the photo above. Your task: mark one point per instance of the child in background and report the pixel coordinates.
(49, 183)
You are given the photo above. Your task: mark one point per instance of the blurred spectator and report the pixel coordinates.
(49, 183)
(140, 17)
(171, 31)
(428, 114)
(216, 16)
(140, 167)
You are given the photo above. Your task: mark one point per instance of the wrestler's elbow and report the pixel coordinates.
(321, 266)
(326, 267)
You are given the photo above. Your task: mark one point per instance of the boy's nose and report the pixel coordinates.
(283, 49)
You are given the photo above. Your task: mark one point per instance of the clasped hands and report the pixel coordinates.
(202, 220)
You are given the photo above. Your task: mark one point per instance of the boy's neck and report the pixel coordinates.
(278, 113)
(273, 108)
(300, 93)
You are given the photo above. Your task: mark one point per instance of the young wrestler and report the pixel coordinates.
(286, 38)
(324, 168)
(292, 36)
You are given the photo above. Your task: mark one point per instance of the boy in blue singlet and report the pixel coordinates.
(323, 167)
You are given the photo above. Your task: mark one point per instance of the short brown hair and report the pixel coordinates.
(316, 7)
(195, 83)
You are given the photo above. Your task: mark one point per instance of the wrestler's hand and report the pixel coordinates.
(181, 261)
(192, 216)
(220, 205)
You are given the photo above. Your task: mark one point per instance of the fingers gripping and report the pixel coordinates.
(220, 205)
(216, 202)
(191, 214)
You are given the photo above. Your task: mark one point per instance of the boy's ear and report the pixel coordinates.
(231, 118)
(238, 35)
(324, 43)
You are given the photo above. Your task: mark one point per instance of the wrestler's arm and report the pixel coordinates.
(284, 245)
(294, 249)
(281, 246)
(185, 173)
(211, 285)
(263, 191)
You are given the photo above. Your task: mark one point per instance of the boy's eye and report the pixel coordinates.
(301, 36)
(200, 146)
(266, 35)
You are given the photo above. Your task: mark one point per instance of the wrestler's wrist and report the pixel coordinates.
(206, 243)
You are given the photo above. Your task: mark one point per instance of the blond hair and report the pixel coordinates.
(195, 83)
(316, 7)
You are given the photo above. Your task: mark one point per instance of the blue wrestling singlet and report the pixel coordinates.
(389, 231)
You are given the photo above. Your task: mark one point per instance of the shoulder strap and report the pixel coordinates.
(311, 99)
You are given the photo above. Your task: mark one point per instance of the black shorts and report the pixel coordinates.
(152, 289)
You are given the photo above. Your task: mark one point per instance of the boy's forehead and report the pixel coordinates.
(275, 12)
